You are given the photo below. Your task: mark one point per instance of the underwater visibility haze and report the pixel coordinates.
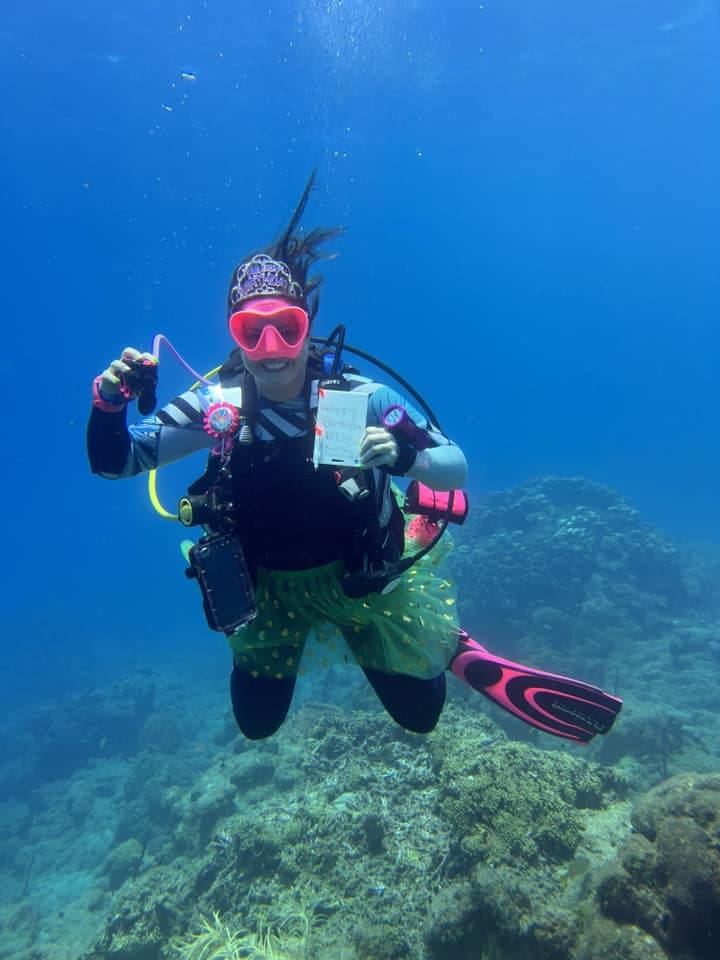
(529, 196)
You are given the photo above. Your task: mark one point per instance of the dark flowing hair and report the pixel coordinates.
(299, 251)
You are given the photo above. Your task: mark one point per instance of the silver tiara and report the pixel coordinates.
(261, 276)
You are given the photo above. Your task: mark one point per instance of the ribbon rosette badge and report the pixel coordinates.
(221, 420)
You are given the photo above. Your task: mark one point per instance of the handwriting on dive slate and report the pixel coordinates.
(341, 421)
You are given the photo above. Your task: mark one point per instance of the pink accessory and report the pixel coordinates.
(421, 531)
(221, 420)
(102, 403)
(436, 504)
(551, 702)
(269, 328)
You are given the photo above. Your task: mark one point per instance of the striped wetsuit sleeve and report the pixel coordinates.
(116, 451)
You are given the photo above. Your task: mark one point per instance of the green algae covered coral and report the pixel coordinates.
(508, 801)
(666, 878)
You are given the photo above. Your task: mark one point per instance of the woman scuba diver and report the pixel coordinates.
(303, 556)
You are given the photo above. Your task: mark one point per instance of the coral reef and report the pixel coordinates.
(215, 940)
(123, 862)
(478, 842)
(315, 844)
(566, 557)
(138, 825)
(657, 899)
(514, 803)
(562, 572)
(105, 723)
(666, 879)
(654, 734)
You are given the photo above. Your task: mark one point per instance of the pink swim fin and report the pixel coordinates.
(558, 705)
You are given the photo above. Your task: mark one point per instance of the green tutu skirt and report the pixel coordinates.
(305, 621)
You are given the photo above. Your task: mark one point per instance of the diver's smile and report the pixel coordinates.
(279, 378)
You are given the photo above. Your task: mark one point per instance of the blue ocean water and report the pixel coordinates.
(531, 199)
(530, 194)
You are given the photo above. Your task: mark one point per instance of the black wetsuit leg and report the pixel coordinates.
(259, 704)
(413, 703)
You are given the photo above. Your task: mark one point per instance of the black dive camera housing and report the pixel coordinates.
(218, 564)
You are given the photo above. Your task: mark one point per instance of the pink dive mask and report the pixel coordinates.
(269, 328)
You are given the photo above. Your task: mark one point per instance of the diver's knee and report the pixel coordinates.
(259, 704)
